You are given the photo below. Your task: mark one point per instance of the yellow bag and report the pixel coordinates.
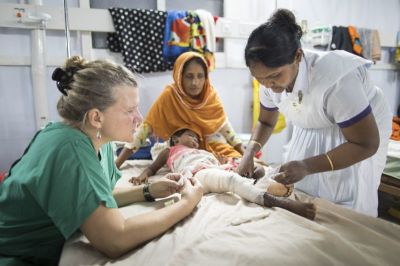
(280, 124)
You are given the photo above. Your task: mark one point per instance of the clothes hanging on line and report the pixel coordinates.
(359, 41)
(151, 40)
(371, 44)
(341, 39)
(139, 37)
(176, 35)
(186, 31)
(355, 40)
(209, 29)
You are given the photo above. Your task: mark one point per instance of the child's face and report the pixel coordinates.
(188, 139)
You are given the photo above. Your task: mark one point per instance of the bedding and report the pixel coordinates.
(226, 230)
(392, 167)
(390, 180)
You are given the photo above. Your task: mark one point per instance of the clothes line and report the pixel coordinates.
(360, 41)
(99, 20)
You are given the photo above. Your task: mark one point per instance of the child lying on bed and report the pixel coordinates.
(185, 158)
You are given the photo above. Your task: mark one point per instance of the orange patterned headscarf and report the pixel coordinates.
(174, 109)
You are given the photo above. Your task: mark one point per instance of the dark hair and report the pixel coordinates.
(198, 61)
(177, 134)
(275, 42)
(86, 85)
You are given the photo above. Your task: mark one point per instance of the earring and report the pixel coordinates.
(98, 134)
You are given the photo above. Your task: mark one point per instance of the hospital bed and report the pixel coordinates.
(390, 181)
(225, 230)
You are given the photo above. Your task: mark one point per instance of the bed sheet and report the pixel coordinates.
(225, 230)
(394, 148)
(392, 167)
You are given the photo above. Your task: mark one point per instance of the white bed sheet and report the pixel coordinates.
(338, 236)
(394, 148)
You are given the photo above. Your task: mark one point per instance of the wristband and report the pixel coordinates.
(146, 193)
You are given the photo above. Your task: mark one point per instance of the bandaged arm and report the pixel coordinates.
(230, 135)
(139, 140)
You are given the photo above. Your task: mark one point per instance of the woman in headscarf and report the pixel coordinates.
(189, 102)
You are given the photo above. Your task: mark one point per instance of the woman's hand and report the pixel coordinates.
(164, 187)
(246, 166)
(192, 191)
(292, 172)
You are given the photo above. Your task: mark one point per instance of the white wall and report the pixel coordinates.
(233, 85)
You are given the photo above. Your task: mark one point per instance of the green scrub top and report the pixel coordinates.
(50, 192)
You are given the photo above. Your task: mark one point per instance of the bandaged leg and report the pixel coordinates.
(271, 186)
(220, 181)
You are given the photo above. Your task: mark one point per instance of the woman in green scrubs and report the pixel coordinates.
(65, 180)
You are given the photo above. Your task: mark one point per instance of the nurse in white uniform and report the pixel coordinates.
(341, 122)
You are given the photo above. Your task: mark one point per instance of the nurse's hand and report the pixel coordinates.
(163, 187)
(246, 166)
(292, 172)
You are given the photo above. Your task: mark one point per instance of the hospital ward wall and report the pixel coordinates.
(232, 84)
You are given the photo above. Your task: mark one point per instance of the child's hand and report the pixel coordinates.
(222, 159)
(138, 180)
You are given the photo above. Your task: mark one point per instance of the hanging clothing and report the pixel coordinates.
(139, 37)
(355, 40)
(371, 44)
(199, 38)
(176, 35)
(184, 31)
(376, 50)
(341, 39)
(336, 92)
(174, 110)
(60, 168)
(207, 20)
(197, 33)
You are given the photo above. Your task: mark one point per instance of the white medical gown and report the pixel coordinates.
(333, 91)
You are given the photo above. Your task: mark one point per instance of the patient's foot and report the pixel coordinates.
(273, 187)
(306, 210)
(279, 190)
